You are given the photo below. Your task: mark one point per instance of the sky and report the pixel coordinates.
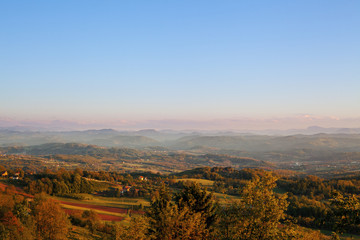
(180, 64)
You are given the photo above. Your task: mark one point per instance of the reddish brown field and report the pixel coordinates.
(104, 217)
(2, 187)
(17, 190)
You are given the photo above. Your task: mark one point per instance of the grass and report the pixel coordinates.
(122, 202)
(349, 236)
(204, 182)
(344, 236)
(225, 199)
(95, 210)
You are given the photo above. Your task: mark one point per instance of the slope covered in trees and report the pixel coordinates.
(237, 204)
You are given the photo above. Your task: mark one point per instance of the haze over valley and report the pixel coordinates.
(337, 151)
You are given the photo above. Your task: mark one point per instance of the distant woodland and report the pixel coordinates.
(322, 154)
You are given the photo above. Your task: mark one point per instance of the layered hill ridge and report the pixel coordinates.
(186, 141)
(95, 157)
(173, 151)
(343, 142)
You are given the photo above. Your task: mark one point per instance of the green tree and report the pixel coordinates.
(257, 215)
(137, 230)
(346, 211)
(168, 221)
(92, 220)
(159, 212)
(76, 185)
(229, 221)
(198, 201)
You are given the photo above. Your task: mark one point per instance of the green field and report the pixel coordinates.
(95, 210)
(225, 199)
(122, 202)
(203, 182)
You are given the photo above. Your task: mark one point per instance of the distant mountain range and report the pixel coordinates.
(329, 139)
(161, 133)
(310, 130)
(262, 143)
(172, 150)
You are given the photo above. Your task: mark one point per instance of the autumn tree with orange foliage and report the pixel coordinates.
(51, 221)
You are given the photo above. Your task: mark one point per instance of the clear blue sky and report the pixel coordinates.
(141, 61)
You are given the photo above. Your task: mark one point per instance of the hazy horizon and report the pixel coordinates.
(236, 125)
(202, 65)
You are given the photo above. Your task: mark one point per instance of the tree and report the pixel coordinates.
(51, 221)
(198, 201)
(10, 226)
(258, 213)
(137, 230)
(346, 211)
(159, 212)
(229, 220)
(168, 221)
(334, 236)
(76, 185)
(92, 220)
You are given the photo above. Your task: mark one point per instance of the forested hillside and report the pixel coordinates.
(202, 203)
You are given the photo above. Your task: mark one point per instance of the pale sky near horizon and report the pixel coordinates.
(258, 63)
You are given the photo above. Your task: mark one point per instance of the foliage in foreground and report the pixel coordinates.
(193, 214)
(41, 218)
(190, 213)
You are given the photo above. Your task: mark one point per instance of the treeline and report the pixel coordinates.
(59, 183)
(313, 202)
(229, 180)
(318, 188)
(111, 184)
(226, 180)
